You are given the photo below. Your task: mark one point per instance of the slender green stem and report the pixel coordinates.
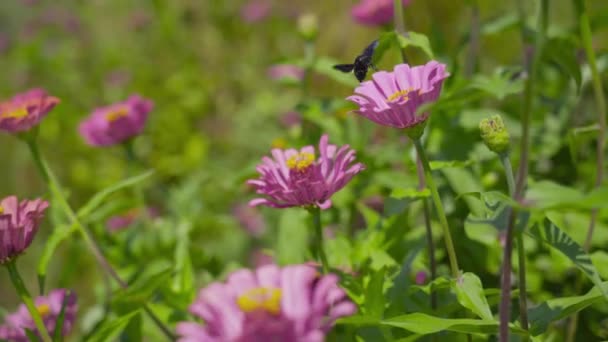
(399, 24)
(439, 207)
(600, 102)
(318, 239)
(471, 61)
(521, 252)
(27, 300)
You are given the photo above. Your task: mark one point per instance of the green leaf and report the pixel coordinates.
(470, 294)
(375, 300)
(112, 328)
(424, 324)
(99, 197)
(60, 233)
(325, 66)
(385, 42)
(500, 24)
(548, 232)
(562, 51)
(401, 193)
(144, 287)
(184, 277)
(500, 84)
(292, 244)
(559, 308)
(440, 164)
(417, 40)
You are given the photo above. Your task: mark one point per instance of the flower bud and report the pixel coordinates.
(494, 134)
(308, 26)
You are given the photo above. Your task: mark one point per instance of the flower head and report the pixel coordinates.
(116, 123)
(25, 110)
(297, 178)
(18, 225)
(375, 12)
(393, 98)
(49, 308)
(294, 303)
(255, 10)
(250, 219)
(495, 134)
(285, 72)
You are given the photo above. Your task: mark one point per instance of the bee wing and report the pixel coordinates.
(369, 50)
(344, 67)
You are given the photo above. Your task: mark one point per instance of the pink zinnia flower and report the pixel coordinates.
(294, 303)
(421, 278)
(375, 12)
(295, 178)
(392, 98)
(18, 225)
(116, 123)
(250, 219)
(25, 110)
(49, 308)
(255, 10)
(285, 71)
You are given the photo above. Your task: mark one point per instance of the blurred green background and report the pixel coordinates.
(217, 113)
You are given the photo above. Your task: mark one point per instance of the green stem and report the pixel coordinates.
(439, 207)
(600, 102)
(521, 252)
(318, 243)
(27, 300)
(399, 24)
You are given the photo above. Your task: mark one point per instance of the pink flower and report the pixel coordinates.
(49, 308)
(25, 110)
(294, 303)
(250, 219)
(294, 178)
(116, 123)
(291, 119)
(255, 11)
(392, 98)
(18, 225)
(375, 12)
(285, 72)
(421, 278)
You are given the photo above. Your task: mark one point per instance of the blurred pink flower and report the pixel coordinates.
(49, 308)
(294, 178)
(25, 110)
(119, 222)
(293, 303)
(116, 123)
(250, 219)
(255, 11)
(19, 223)
(392, 98)
(375, 12)
(286, 71)
(260, 257)
(290, 119)
(421, 278)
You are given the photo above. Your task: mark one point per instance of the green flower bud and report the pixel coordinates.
(308, 26)
(495, 134)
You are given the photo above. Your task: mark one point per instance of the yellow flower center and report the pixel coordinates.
(401, 94)
(261, 298)
(16, 113)
(117, 114)
(1, 210)
(43, 310)
(301, 161)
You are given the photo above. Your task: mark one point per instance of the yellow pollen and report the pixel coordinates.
(401, 94)
(43, 310)
(1, 210)
(117, 114)
(17, 113)
(301, 161)
(261, 298)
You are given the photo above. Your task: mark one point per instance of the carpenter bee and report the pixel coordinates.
(361, 63)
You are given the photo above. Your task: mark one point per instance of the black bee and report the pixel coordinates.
(361, 63)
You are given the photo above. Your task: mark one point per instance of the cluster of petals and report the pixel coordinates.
(393, 98)
(19, 222)
(375, 12)
(25, 110)
(293, 303)
(294, 178)
(116, 123)
(49, 307)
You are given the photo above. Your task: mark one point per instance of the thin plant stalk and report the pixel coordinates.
(26, 298)
(55, 188)
(472, 57)
(439, 208)
(319, 250)
(521, 253)
(600, 102)
(399, 24)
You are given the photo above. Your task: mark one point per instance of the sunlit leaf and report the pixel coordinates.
(469, 292)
